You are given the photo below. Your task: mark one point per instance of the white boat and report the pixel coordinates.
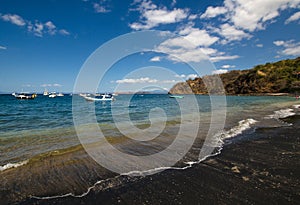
(98, 97)
(52, 95)
(25, 96)
(60, 95)
(46, 92)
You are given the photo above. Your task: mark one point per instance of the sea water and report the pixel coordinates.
(32, 127)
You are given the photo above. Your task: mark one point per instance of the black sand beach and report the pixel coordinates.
(260, 168)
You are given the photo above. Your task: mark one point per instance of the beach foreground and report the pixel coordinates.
(259, 168)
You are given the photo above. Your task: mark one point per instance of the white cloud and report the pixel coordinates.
(221, 58)
(51, 85)
(231, 33)
(37, 28)
(3, 48)
(173, 2)
(192, 17)
(152, 16)
(220, 71)
(227, 66)
(155, 59)
(180, 76)
(212, 12)
(27, 85)
(170, 81)
(186, 76)
(64, 32)
(197, 36)
(190, 49)
(292, 51)
(46, 85)
(14, 19)
(137, 80)
(100, 8)
(191, 76)
(294, 17)
(259, 45)
(291, 48)
(278, 43)
(178, 51)
(51, 27)
(250, 15)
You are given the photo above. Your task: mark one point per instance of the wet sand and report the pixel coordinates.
(261, 168)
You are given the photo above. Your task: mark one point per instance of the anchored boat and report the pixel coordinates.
(98, 97)
(25, 96)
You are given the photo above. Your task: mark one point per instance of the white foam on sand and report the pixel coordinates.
(12, 165)
(296, 106)
(283, 113)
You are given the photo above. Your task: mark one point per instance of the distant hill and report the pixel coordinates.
(280, 77)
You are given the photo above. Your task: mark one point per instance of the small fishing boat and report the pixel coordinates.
(52, 95)
(60, 95)
(25, 96)
(46, 92)
(98, 97)
(176, 96)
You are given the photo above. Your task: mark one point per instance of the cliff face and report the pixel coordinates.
(282, 76)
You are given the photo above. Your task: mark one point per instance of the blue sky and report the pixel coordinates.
(44, 44)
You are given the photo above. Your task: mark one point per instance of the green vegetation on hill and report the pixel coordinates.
(280, 77)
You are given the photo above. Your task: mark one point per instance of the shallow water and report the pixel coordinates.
(31, 127)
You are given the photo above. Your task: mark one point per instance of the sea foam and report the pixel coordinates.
(283, 113)
(12, 165)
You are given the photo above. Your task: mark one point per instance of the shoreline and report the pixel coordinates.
(263, 166)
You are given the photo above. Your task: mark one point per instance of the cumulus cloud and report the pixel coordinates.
(152, 16)
(198, 37)
(279, 43)
(212, 12)
(192, 76)
(291, 48)
(37, 28)
(231, 33)
(51, 27)
(186, 76)
(250, 15)
(14, 19)
(189, 48)
(192, 45)
(100, 7)
(227, 66)
(220, 71)
(294, 17)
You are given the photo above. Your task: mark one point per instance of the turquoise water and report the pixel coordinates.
(31, 127)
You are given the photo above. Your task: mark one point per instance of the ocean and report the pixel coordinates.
(41, 140)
